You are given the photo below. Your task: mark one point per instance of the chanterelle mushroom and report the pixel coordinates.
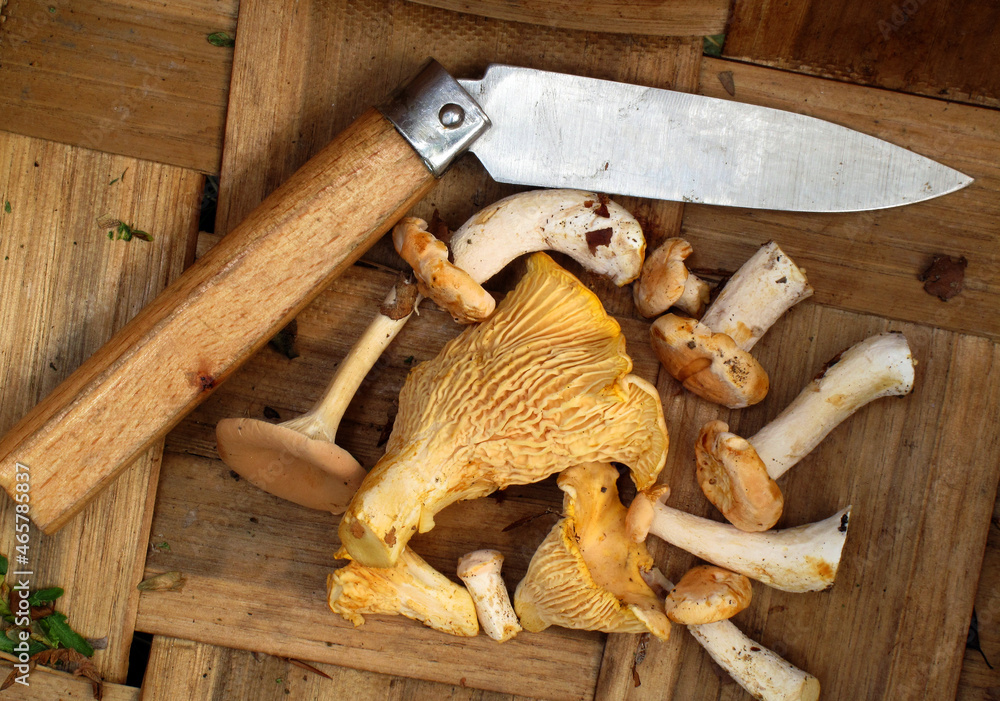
(411, 588)
(666, 282)
(543, 384)
(587, 574)
(298, 460)
(597, 233)
(804, 558)
(711, 357)
(738, 476)
(448, 285)
(707, 594)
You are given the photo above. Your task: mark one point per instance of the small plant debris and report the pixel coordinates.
(119, 179)
(168, 581)
(31, 617)
(945, 276)
(6, 206)
(120, 231)
(712, 45)
(221, 39)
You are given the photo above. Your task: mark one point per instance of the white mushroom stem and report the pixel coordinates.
(480, 571)
(597, 233)
(323, 420)
(757, 669)
(762, 672)
(763, 289)
(879, 366)
(800, 559)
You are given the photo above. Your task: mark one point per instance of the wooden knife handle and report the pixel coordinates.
(198, 330)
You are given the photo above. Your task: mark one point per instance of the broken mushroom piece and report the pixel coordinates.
(711, 357)
(757, 669)
(587, 574)
(449, 286)
(738, 476)
(541, 385)
(666, 282)
(411, 588)
(708, 364)
(298, 460)
(804, 558)
(597, 233)
(707, 594)
(480, 570)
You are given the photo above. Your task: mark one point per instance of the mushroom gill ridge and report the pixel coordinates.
(542, 385)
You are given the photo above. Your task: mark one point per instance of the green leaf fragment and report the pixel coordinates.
(3, 564)
(61, 633)
(6, 206)
(221, 39)
(45, 595)
(712, 45)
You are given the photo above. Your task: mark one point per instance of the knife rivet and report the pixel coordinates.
(451, 115)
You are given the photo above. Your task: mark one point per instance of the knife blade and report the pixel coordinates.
(176, 351)
(661, 144)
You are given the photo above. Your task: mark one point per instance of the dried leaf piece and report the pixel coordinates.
(67, 660)
(542, 385)
(587, 573)
(168, 581)
(945, 277)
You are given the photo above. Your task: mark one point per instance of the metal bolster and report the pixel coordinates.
(436, 116)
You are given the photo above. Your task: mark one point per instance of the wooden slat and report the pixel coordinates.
(979, 681)
(674, 18)
(870, 261)
(184, 669)
(45, 684)
(940, 49)
(65, 287)
(894, 625)
(132, 78)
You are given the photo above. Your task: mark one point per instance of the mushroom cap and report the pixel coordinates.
(735, 479)
(314, 473)
(708, 364)
(587, 573)
(664, 279)
(448, 285)
(707, 594)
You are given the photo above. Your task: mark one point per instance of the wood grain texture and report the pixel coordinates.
(190, 338)
(671, 18)
(132, 78)
(940, 49)
(64, 289)
(189, 670)
(872, 260)
(46, 684)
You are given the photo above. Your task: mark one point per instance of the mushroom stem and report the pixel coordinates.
(597, 233)
(765, 287)
(760, 671)
(800, 559)
(480, 570)
(323, 420)
(757, 669)
(879, 366)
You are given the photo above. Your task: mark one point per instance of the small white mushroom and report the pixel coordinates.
(597, 233)
(800, 559)
(666, 282)
(879, 366)
(711, 357)
(480, 570)
(762, 672)
(763, 289)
